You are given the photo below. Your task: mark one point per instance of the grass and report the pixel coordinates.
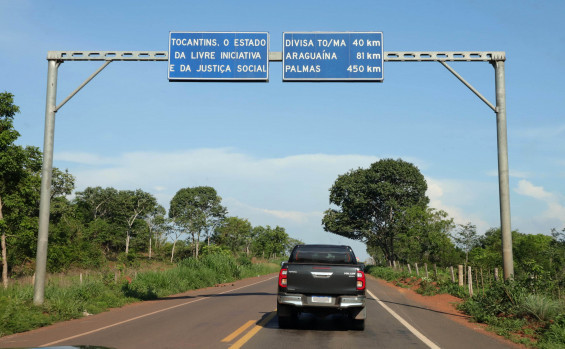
(67, 298)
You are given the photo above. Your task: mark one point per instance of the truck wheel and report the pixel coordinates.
(284, 315)
(359, 325)
(284, 321)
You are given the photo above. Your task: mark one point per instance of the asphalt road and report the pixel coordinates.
(242, 315)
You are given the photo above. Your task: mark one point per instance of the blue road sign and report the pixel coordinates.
(218, 56)
(330, 56)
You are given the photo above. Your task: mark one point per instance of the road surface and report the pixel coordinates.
(242, 315)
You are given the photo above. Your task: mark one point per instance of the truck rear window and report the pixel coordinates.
(329, 256)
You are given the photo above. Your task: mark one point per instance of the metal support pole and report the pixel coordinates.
(46, 173)
(503, 181)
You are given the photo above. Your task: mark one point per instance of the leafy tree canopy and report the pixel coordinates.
(372, 201)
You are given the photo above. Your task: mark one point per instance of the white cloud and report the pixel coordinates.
(555, 210)
(528, 189)
(84, 158)
(456, 198)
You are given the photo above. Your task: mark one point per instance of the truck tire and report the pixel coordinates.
(285, 315)
(359, 325)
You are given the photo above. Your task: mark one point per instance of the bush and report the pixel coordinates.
(542, 307)
(554, 337)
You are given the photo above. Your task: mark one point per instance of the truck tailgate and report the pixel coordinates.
(326, 279)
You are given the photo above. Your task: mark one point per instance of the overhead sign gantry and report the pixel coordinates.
(211, 47)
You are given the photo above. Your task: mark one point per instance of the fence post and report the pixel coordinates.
(470, 281)
(81, 278)
(409, 269)
(394, 265)
(460, 274)
(426, 268)
(495, 274)
(417, 271)
(435, 271)
(452, 275)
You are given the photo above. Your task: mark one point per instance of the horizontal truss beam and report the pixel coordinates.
(406, 56)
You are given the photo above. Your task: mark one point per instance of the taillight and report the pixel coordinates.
(282, 278)
(360, 280)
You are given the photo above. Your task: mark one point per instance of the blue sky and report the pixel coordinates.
(272, 150)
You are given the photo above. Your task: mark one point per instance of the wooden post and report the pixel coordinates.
(409, 269)
(115, 277)
(496, 274)
(452, 274)
(435, 271)
(470, 281)
(81, 278)
(426, 268)
(389, 264)
(417, 271)
(460, 274)
(394, 265)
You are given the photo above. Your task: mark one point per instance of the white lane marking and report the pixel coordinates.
(148, 314)
(411, 328)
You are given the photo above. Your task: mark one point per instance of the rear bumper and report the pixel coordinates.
(310, 301)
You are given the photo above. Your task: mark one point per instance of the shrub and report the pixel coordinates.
(540, 306)
(554, 337)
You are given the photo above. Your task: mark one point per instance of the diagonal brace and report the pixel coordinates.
(82, 85)
(469, 86)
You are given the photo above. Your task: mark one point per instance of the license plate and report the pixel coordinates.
(321, 299)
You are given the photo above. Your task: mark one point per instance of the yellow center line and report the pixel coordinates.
(253, 331)
(238, 331)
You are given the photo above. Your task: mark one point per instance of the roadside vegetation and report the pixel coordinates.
(67, 297)
(109, 247)
(386, 207)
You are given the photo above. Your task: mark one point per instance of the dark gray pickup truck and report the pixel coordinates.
(321, 279)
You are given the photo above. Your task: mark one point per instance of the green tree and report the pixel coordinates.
(156, 221)
(371, 201)
(95, 208)
(19, 194)
(270, 242)
(198, 211)
(466, 238)
(131, 208)
(424, 235)
(235, 233)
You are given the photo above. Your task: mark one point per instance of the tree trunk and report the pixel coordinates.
(127, 243)
(4, 253)
(173, 251)
(4, 261)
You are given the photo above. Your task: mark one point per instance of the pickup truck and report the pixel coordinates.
(322, 280)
